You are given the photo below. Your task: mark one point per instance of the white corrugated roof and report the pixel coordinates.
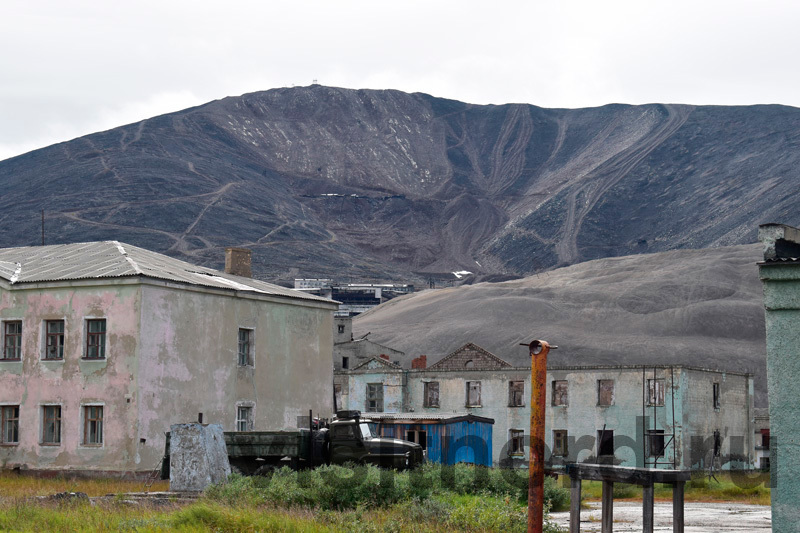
(112, 259)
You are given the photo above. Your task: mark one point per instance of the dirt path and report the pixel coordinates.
(699, 517)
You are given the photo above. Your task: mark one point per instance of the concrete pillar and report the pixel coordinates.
(198, 457)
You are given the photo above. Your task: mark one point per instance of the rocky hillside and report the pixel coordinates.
(693, 307)
(323, 181)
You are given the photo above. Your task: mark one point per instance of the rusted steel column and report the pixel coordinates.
(538, 350)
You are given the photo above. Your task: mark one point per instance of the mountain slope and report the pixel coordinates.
(323, 181)
(693, 307)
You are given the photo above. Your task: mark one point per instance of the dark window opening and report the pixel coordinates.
(560, 396)
(560, 442)
(516, 393)
(655, 443)
(473, 393)
(717, 443)
(374, 397)
(716, 396)
(96, 338)
(431, 398)
(517, 442)
(605, 442)
(12, 340)
(345, 363)
(54, 342)
(419, 436)
(341, 328)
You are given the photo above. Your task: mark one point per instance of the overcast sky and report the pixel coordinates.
(69, 68)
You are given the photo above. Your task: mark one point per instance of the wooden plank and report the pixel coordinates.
(626, 474)
(647, 509)
(607, 516)
(575, 506)
(677, 507)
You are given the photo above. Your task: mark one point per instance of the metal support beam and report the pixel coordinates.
(607, 516)
(677, 506)
(575, 505)
(647, 508)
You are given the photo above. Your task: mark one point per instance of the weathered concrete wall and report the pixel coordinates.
(393, 381)
(189, 361)
(198, 457)
(359, 351)
(74, 382)
(782, 303)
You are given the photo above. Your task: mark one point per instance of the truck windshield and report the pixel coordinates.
(365, 432)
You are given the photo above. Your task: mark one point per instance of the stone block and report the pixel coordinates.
(198, 457)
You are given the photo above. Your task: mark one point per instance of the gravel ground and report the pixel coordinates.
(698, 517)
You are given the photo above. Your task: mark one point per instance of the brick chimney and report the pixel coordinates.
(384, 356)
(237, 262)
(420, 362)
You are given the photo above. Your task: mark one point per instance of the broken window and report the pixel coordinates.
(374, 397)
(418, 436)
(341, 328)
(605, 442)
(473, 393)
(717, 443)
(431, 392)
(244, 418)
(516, 442)
(655, 443)
(54, 339)
(92, 425)
(516, 393)
(245, 347)
(96, 338)
(9, 424)
(716, 396)
(51, 424)
(12, 340)
(560, 442)
(605, 392)
(337, 397)
(655, 392)
(560, 396)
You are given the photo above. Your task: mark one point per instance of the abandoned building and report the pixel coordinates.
(105, 345)
(663, 416)
(349, 352)
(780, 274)
(354, 298)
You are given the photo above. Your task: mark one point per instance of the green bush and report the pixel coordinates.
(625, 490)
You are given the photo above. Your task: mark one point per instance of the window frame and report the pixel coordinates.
(58, 424)
(374, 394)
(477, 384)
(417, 435)
(246, 358)
(560, 400)
(560, 443)
(88, 417)
(516, 442)
(4, 420)
(427, 387)
(48, 335)
(656, 391)
(99, 335)
(602, 439)
(248, 410)
(516, 398)
(16, 335)
(600, 401)
(716, 392)
(653, 435)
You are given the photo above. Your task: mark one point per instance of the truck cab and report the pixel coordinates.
(351, 440)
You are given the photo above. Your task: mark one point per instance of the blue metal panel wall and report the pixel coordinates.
(450, 443)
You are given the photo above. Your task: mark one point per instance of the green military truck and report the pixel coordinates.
(346, 439)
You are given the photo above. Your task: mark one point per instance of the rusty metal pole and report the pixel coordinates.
(539, 350)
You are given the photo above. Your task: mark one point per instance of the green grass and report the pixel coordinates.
(21, 486)
(728, 488)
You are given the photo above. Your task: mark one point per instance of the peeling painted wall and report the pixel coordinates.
(73, 381)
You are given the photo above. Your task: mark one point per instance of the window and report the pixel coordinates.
(764, 463)
(345, 363)
(92, 425)
(605, 392)
(473, 393)
(337, 397)
(9, 424)
(605, 442)
(717, 443)
(765, 438)
(560, 442)
(374, 397)
(716, 396)
(516, 442)
(12, 340)
(344, 431)
(341, 328)
(54, 339)
(419, 436)
(51, 424)
(655, 392)
(431, 392)
(516, 393)
(96, 338)
(245, 347)
(244, 418)
(560, 396)
(655, 443)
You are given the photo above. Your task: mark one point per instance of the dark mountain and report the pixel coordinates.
(322, 181)
(693, 307)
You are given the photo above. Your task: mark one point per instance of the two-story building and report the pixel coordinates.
(105, 345)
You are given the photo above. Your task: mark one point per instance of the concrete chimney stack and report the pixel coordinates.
(238, 261)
